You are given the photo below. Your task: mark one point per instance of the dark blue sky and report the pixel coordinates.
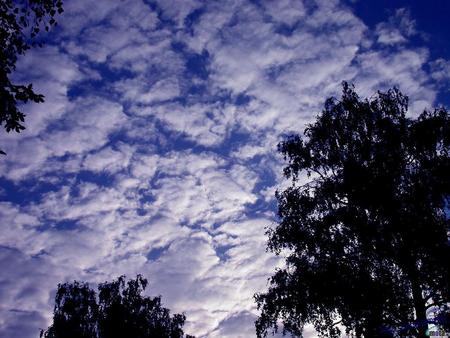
(431, 21)
(431, 18)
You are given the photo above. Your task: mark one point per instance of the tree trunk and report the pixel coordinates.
(419, 304)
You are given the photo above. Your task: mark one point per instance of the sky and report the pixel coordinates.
(155, 150)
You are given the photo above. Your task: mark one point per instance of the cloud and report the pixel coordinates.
(108, 159)
(285, 12)
(155, 151)
(440, 71)
(397, 30)
(84, 126)
(50, 79)
(24, 293)
(238, 325)
(205, 124)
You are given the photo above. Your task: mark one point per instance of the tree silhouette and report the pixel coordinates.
(120, 311)
(366, 240)
(76, 312)
(20, 23)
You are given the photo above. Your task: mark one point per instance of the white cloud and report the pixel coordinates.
(108, 160)
(178, 10)
(50, 79)
(397, 30)
(440, 71)
(285, 11)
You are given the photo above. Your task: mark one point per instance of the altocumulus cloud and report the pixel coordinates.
(154, 152)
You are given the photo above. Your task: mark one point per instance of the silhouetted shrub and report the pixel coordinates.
(118, 310)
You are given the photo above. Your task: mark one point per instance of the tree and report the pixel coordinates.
(121, 311)
(20, 23)
(76, 312)
(366, 239)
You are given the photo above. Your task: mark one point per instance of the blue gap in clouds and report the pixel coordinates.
(32, 190)
(193, 18)
(196, 64)
(155, 253)
(164, 22)
(67, 224)
(102, 179)
(145, 197)
(178, 140)
(222, 251)
(28, 190)
(84, 88)
(62, 225)
(11, 192)
(285, 29)
(267, 178)
(242, 99)
(97, 87)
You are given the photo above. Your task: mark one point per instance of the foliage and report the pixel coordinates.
(367, 238)
(119, 310)
(20, 23)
